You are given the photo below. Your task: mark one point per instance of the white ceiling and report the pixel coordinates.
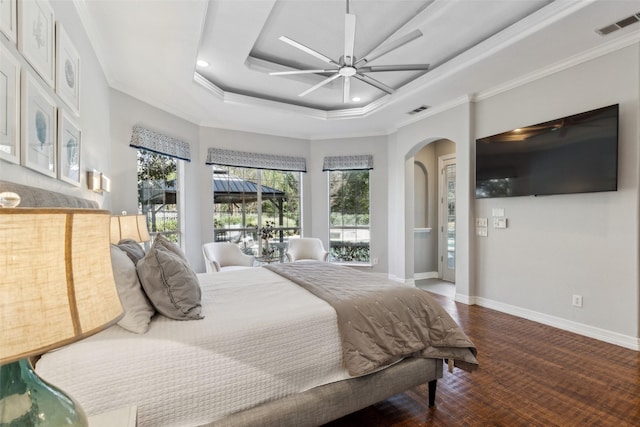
(149, 48)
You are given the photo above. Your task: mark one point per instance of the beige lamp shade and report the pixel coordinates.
(129, 227)
(56, 281)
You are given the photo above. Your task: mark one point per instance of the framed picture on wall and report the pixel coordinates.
(69, 144)
(38, 127)
(67, 70)
(9, 106)
(8, 19)
(36, 35)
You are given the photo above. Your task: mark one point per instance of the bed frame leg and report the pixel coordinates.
(432, 393)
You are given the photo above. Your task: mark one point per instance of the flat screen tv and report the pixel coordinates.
(574, 154)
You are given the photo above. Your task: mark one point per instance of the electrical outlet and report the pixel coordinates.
(375, 261)
(577, 301)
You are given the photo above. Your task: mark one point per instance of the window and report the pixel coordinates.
(349, 216)
(157, 193)
(246, 199)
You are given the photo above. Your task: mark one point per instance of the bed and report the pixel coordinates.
(267, 351)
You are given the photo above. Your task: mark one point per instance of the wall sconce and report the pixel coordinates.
(105, 183)
(96, 181)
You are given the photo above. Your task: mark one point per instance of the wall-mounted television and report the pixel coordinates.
(573, 154)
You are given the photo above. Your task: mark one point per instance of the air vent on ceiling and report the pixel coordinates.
(418, 110)
(619, 25)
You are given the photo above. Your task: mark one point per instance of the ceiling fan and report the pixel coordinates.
(348, 66)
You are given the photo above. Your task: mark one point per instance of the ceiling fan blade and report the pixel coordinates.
(346, 89)
(284, 73)
(322, 83)
(308, 50)
(408, 67)
(375, 83)
(349, 38)
(388, 47)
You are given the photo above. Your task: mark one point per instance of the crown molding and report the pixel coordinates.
(617, 44)
(236, 98)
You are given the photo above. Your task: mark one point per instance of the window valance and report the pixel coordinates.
(159, 143)
(219, 156)
(336, 163)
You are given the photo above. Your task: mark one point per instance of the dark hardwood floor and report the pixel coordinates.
(530, 375)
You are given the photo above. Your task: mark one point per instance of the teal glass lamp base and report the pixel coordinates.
(26, 400)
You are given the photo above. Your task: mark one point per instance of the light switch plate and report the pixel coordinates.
(482, 231)
(499, 222)
(482, 222)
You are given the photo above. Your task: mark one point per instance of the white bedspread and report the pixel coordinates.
(263, 338)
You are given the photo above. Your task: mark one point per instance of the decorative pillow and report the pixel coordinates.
(137, 308)
(132, 249)
(161, 241)
(170, 283)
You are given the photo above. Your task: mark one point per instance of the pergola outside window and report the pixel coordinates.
(246, 199)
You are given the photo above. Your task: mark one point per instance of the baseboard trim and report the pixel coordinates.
(397, 279)
(465, 299)
(610, 337)
(427, 275)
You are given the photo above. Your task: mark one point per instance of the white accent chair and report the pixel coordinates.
(221, 256)
(306, 248)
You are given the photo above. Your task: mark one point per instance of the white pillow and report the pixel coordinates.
(137, 307)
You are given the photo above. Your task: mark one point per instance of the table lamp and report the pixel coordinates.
(129, 227)
(56, 287)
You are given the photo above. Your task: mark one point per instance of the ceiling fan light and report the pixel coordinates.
(347, 71)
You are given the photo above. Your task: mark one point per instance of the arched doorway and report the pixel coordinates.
(433, 226)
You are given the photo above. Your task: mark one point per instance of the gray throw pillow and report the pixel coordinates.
(161, 241)
(170, 284)
(132, 249)
(137, 308)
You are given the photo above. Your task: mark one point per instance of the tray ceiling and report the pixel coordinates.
(148, 50)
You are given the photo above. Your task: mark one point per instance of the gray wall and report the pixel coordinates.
(93, 119)
(557, 246)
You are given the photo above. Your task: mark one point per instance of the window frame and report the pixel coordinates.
(332, 259)
(248, 231)
(179, 231)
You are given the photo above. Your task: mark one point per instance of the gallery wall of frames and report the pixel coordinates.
(40, 95)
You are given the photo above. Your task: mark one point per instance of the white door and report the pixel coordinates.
(447, 235)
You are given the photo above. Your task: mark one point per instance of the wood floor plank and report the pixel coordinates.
(530, 375)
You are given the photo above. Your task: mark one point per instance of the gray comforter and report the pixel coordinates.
(380, 321)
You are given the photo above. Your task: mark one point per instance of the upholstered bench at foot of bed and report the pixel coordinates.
(326, 403)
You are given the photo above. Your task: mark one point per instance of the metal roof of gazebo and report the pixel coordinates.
(232, 189)
(226, 189)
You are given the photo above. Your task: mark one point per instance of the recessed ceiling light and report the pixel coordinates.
(202, 63)
(356, 99)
